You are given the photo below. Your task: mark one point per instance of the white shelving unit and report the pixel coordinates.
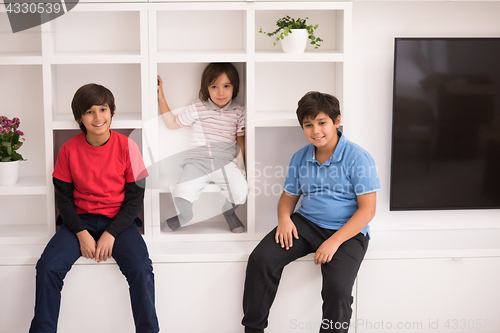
(266, 89)
(124, 46)
(40, 70)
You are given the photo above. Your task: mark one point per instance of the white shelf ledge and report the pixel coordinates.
(275, 119)
(190, 56)
(33, 58)
(22, 234)
(276, 55)
(302, 5)
(26, 186)
(61, 58)
(120, 120)
(205, 231)
(392, 245)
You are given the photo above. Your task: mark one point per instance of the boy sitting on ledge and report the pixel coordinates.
(338, 181)
(99, 181)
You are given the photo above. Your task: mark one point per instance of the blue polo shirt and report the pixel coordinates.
(330, 189)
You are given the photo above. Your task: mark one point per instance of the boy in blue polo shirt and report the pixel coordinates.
(338, 180)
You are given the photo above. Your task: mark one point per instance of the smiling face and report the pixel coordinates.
(322, 132)
(221, 90)
(97, 120)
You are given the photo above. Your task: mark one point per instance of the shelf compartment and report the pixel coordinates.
(272, 94)
(124, 81)
(104, 32)
(25, 45)
(181, 84)
(26, 223)
(21, 93)
(329, 28)
(224, 33)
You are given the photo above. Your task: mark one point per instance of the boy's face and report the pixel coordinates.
(97, 120)
(221, 90)
(321, 131)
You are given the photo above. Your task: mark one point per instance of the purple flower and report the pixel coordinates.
(7, 128)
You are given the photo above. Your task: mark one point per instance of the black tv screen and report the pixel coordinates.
(446, 124)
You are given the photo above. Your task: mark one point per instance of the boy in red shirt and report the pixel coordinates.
(99, 181)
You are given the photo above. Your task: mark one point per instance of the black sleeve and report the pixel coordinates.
(131, 207)
(66, 206)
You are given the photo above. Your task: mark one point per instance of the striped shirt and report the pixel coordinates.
(214, 129)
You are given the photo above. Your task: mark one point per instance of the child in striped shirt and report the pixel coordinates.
(216, 147)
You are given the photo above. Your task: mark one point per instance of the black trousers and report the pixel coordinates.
(268, 259)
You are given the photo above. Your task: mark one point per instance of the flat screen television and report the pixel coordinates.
(446, 124)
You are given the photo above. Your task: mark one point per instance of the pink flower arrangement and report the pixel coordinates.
(10, 139)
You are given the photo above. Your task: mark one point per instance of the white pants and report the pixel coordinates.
(200, 172)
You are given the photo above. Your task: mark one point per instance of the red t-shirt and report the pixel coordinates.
(99, 174)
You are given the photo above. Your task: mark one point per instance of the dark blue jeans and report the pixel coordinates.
(268, 259)
(131, 255)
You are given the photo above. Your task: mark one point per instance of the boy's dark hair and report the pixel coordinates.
(212, 72)
(89, 95)
(314, 102)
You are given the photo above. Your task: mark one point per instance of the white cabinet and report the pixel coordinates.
(18, 297)
(190, 298)
(429, 295)
(124, 46)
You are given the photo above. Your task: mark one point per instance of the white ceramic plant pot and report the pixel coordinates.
(9, 173)
(295, 42)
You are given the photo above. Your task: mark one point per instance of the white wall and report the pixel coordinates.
(375, 25)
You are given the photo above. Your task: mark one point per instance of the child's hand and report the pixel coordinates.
(87, 244)
(104, 248)
(160, 88)
(243, 172)
(326, 251)
(285, 233)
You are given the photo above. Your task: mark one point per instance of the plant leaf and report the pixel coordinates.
(17, 157)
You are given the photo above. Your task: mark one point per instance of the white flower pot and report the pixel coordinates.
(9, 173)
(295, 42)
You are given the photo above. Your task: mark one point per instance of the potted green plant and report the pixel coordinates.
(10, 141)
(294, 34)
